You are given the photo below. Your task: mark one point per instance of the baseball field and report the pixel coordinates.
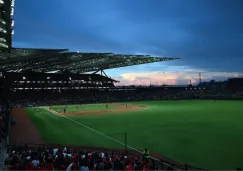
(202, 133)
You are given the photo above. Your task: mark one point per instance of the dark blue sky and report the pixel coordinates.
(206, 34)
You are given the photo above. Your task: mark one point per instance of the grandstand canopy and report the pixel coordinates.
(36, 76)
(46, 60)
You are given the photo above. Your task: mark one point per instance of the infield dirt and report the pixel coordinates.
(119, 109)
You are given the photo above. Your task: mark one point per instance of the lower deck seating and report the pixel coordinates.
(24, 158)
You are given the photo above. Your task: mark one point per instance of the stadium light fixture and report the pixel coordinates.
(3, 45)
(2, 40)
(3, 22)
(12, 23)
(12, 3)
(12, 32)
(3, 31)
(12, 7)
(12, 12)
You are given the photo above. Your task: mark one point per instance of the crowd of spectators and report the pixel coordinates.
(85, 96)
(29, 98)
(24, 158)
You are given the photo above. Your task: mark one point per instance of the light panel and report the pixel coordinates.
(3, 45)
(3, 31)
(3, 40)
(12, 7)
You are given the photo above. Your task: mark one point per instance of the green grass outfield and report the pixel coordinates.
(207, 134)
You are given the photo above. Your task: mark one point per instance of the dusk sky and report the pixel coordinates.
(206, 34)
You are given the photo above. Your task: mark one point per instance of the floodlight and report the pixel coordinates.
(3, 22)
(2, 40)
(12, 3)
(2, 44)
(12, 23)
(3, 30)
(70, 78)
(24, 78)
(12, 32)
(12, 12)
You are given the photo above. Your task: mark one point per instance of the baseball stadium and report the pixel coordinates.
(61, 108)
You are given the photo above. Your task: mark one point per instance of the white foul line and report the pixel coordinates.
(119, 142)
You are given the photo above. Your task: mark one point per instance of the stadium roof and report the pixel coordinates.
(46, 60)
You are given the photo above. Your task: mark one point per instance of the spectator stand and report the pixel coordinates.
(127, 156)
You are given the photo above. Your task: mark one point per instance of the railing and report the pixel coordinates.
(160, 164)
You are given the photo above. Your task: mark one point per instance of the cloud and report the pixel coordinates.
(172, 78)
(206, 34)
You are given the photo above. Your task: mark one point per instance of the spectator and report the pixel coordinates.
(146, 155)
(35, 162)
(84, 167)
